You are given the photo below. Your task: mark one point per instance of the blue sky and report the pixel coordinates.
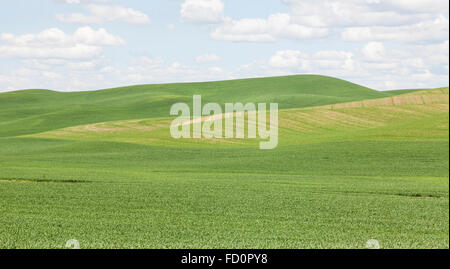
(73, 45)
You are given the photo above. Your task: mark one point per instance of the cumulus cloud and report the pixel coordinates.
(376, 20)
(207, 58)
(356, 20)
(54, 43)
(156, 70)
(433, 30)
(202, 11)
(374, 51)
(266, 30)
(286, 58)
(437, 54)
(373, 65)
(400, 44)
(73, 52)
(298, 61)
(87, 35)
(59, 74)
(327, 13)
(104, 13)
(418, 6)
(82, 1)
(406, 61)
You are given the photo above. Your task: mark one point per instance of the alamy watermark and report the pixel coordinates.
(73, 244)
(373, 244)
(207, 121)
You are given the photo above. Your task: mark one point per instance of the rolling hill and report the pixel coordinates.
(31, 111)
(422, 115)
(352, 164)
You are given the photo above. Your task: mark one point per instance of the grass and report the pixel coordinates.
(32, 111)
(419, 116)
(342, 174)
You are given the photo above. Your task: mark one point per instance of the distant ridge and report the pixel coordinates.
(32, 111)
(421, 115)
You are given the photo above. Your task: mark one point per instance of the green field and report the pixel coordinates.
(352, 164)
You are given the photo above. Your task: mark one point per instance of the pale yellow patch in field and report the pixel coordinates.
(143, 125)
(438, 96)
(295, 125)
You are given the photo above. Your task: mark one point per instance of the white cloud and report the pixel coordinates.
(156, 70)
(107, 69)
(374, 51)
(51, 36)
(342, 62)
(82, 1)
(374, 65)
(433, 30)
(54, 43)
(331, 13)
(73, 52)
(215, 69)
(83, 65)
(207, 58)
(407, 65)
(286, 62)
(251, 30)
(51, 75)
(436, 54)
(418, 6)
(376, 20)
(287, 58)
(87, 35)
(202, 11)
(266, 30)
(404, 44)
(104, 13)
(356, 20)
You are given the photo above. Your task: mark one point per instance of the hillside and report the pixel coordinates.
(421, 115)
(352, 164)
(32, 111)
